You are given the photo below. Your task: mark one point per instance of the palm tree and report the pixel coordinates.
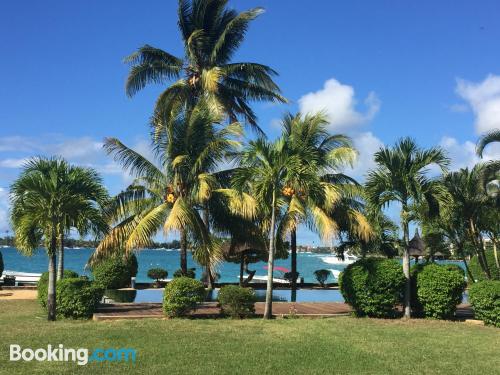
(50, 196)
(492, 136)
(401, 176)
(335, 208)
(266, 170)
(175, 192)
(211, 35)
(473, 208)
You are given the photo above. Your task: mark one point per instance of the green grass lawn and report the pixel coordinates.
(284, 346)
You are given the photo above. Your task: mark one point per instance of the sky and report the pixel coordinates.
(381, 70)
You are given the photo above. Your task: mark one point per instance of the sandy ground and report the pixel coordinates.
(17, 294)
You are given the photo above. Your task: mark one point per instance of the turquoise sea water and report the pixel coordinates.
(75, 259)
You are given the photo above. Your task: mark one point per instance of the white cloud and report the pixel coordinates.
(484, 99)
(4, 211)
(463, 155)
(338, 101)
(367, 144)
(12, 162)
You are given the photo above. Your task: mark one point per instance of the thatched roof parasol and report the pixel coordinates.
(416, 246)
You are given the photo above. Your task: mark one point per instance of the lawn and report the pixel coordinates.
(283, 346)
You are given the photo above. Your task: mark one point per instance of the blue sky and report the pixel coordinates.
(381, 70)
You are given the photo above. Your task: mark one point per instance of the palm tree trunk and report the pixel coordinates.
(495, 253)
(60, 264)
(293, 246)
(268, 310)
(406, 269)
(210, 277)
(469, 273)
(183, 251)
(481, 257)
(51, 290)
(242, 268)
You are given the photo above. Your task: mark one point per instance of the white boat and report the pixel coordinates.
(22, 277)
(333, 259)
(263, 279)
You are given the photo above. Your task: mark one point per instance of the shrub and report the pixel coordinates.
(191, 273)
(182, 295)
(115, 272)
(477, 271)
(77, 298)
(121, 295)
(322, 276)
(43, 285)
(439, 289)
(373, 287)
(485, 299)
(236, 301)
(157, 274)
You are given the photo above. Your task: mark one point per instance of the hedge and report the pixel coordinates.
(485, 299)
(373, 287)
(115, 272)
(237, 301)
(437, 290)
(182, 295)
(77, 298)
(43, 285)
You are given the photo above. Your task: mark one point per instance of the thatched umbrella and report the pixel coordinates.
(416, 246)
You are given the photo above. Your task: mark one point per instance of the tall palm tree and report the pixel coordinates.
(490, 137)
(266, 169)
(324, 155)
(49, 195)
(174, 192)
(474, 209)
(401, 177)
(211, 34)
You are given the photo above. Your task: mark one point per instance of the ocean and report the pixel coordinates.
(75, 259)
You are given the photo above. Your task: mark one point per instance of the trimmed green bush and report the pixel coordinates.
(439, 289)
(322, 276)
(236, 301)
(77, 298)
(43, 285)
(121, 295)
(191, 273)
(373, 287)
(182, 295)
(157, 274)
(477, 271)
(115, 272)
(485, 299)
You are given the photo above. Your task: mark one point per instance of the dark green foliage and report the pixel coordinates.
(157, 273)
(182, 295)
(290, 276)
(77, 298)
(121, 295)
(373, 287)
(485, 299)
(477, 271)
(322, 276)
(437, 291)
(115, 272)
(236, 301)
(43, 284)
(190, 273)
(1, 264)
